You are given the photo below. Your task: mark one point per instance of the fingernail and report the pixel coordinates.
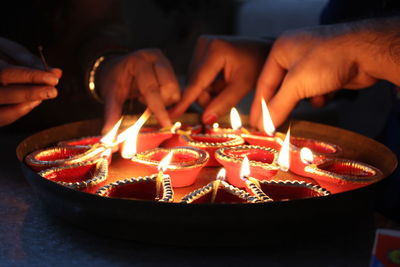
(50, 79)
(49, 93)
(210, 119)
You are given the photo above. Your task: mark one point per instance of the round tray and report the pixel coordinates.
(213, 224)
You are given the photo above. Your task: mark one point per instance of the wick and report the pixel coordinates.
(46, 67)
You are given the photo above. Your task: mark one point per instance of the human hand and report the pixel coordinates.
(23, 83)
(309, 64)
(146, 74)
(222, 71)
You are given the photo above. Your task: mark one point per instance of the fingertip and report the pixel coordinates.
(209, 118)
(57, 71)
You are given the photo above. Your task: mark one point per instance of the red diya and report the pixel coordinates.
(236, 126)
(184, 167)
(82, 176)
(211, 143)
(338, 175)
(279, 190)
(67, 154)
(262, 162)
(219, 191)
(178, 129)
(87, 141)
(140, 188)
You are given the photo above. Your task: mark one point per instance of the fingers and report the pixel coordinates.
(150, 90)
(18, 75)
(11, 113)
(19, 54)
(167, 81)
(112, 112)
(220, 105)
(200, 79)
(19, 94)
(270, 78)
(57, 72)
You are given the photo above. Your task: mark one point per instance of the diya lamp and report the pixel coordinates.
(338, 174)
(177, 130)
(211, 143)
(236, 125)
(63, 155)
(83, 176)
(155, 187)
(268, 138)
(219, 191)
(262, 162)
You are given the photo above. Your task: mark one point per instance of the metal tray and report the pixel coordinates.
(214, 224)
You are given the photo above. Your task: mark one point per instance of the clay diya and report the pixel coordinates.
(287, 190)
(211, 143)
(179, 130)
(184, 167)
(87, 141)
(338, 175)
(139, 188)
(81, 176)
(225, 193)
(236, 125)
(261, 160)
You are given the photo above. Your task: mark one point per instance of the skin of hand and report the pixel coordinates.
(222, 71)
(146, 74)
(310, 63)
(23, 82)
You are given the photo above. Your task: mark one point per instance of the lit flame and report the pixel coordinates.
(130, 136)
(306, 155)
(245, 169)
(268, 124)
(215, 125)
(236, 123)
(163, 166)
(284, 153)
(108, 138)
(176, 126)
(221, 174)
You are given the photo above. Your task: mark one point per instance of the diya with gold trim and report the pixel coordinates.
(87, 141)
(140, 188)
(184, 167)
(211, 143)
(262, 162)
(178, 129)
(338, 175)
(219, 191)
(82, 176)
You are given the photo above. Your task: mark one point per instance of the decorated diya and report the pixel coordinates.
(219, 191)
(81, 176)
(87, 141)
(178, 130)
(338, 175)
(139, 188)
(279, 190)
(261, 160)
(211, 143)
(183, 168)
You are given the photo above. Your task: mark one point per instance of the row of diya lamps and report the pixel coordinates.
(83, 163)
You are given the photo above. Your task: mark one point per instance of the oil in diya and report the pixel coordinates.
(338, 174)
(65, 154)
(219, 191)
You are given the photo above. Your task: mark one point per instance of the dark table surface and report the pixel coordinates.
(29, 235)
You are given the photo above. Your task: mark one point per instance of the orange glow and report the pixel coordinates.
(306, 155)
(109, 138)
(284, 154)
(236, 123)
(245, 169)
(129, 136)
(221, 175)
(177, 125)
(164, 163)
(268, 124)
